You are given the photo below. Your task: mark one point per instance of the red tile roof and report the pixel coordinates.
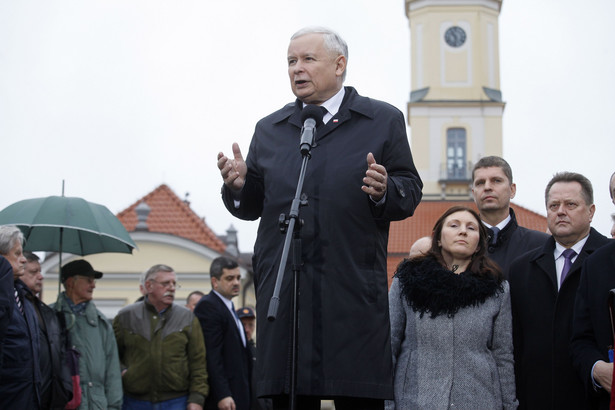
(402, 234)
(169, 214)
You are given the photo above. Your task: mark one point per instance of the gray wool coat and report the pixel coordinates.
(463, 362)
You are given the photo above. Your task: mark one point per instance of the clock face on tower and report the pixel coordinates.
(455, 36)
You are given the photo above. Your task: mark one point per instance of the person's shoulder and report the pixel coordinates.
(530, 237)
(532, 232)
(504, 286)
(606, 251)
(596, 240)
(91, 309)
(47, 309)
(279, 115)
(206, 303)
(133, 307)
(181, 311)
(519, 265)
(370, 107)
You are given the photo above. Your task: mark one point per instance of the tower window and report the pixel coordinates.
(456, 153)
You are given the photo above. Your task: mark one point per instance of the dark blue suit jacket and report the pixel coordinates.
(19, 346)
(228, 361)
(592, 326)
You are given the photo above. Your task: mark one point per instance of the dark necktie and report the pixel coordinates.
(494, 234)
(18, 301)
(324, 112)
(239, 324)
(568, 255)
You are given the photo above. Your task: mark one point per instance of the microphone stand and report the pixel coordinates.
(291, 226)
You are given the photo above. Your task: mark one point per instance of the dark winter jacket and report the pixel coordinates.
(20, 379)
(512, 242)
(542, 328)
(56, 383)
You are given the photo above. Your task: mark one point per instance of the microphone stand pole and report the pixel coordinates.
(291, 226)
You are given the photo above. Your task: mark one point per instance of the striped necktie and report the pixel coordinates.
(494, 235)
(568, 255)
(18, 301)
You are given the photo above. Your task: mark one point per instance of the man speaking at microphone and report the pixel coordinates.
(360, 177)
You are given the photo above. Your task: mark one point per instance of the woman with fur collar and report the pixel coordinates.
(451, 331)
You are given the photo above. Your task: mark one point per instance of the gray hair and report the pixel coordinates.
(31, 257)
(333, 41)
(9, 235)
(151, 272)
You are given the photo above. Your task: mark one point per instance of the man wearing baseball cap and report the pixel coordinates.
(92, 336)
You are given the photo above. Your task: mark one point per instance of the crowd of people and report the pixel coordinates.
(152, 355)
(483, 314)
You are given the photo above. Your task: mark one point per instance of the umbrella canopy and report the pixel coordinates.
(67, 224)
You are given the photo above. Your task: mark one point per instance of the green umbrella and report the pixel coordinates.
(65, 224)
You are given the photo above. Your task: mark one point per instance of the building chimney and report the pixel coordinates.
(142, 211)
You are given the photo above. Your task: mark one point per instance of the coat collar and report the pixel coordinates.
(352, 103)
(544, 259)
(429, 287)
(505, 233)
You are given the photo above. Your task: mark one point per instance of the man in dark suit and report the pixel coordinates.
(492, 189)
(592, 334)
(228, 357)
(543, 285)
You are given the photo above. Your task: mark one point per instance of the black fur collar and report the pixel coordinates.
(429, 287)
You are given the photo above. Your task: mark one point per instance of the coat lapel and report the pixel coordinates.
(352, 102)
(546, 263)
(229, 315)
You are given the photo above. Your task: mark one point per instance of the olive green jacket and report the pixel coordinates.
(162, 354)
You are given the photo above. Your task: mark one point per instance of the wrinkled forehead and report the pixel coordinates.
(565, 190)
(163, 276)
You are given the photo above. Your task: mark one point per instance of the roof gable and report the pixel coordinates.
(169, 214)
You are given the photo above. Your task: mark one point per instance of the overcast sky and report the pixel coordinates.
(118, 97)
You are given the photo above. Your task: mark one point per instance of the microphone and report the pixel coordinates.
(311, 117)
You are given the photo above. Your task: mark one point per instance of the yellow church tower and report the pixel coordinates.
(455, 109)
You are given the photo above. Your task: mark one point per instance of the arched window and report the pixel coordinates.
(456, 153)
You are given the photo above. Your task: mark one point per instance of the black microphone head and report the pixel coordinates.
(312, 111)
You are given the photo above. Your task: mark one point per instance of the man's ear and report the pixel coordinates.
(340, 65)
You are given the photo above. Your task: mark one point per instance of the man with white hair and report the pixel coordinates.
(156, 336)
(361, 176)
(20, 378)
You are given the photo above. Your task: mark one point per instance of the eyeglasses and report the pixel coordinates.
(168, 284)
